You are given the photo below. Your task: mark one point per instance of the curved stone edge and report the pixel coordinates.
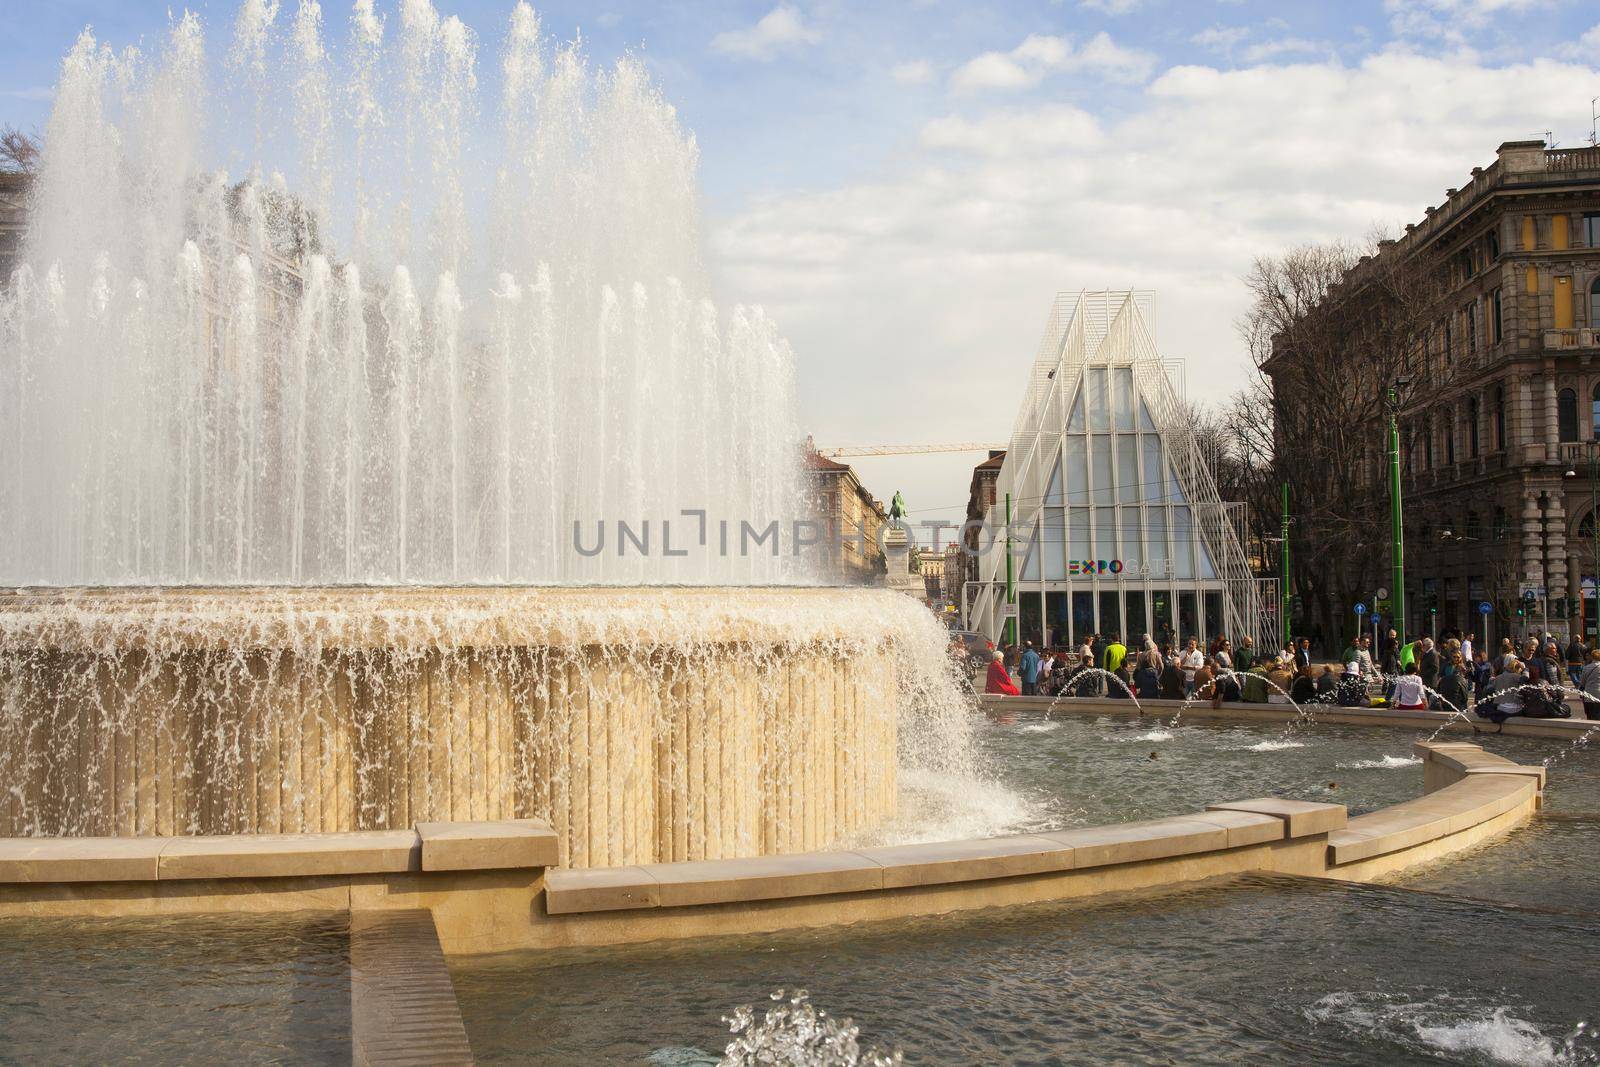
(1516, 726)
(1469, 795)
(489, 889)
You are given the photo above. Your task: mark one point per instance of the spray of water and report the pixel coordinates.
(258, 337)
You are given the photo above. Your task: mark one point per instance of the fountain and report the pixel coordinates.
(330, 502)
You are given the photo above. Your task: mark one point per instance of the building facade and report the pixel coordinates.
(852, 520)
(1116, 526)
(961, 578)
(1500, 420)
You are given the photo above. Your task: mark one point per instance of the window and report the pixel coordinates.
(1567, 415)
(1494, 246)
(1594, 305)
(1499, 417)
(1497, 320)
(1427, 446)
(1594, 413)
(1449, 443)
(1472, 427)
(1472, 326)
(1562, 303)
(1449, 339)
(1591, 230)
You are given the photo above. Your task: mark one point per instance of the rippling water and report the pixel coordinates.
(1486, 964)
(248, 989)
(1260, 971)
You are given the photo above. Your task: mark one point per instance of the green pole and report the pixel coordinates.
(1594, 525)
(1011, 585)
(1398, 557)
(1283, 559)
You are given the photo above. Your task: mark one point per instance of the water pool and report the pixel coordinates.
(1479, 959)
(248, 989)
(1261, 971)
(1068, 770)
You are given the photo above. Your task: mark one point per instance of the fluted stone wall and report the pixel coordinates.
(740, 729)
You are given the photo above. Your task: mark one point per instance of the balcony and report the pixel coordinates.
(1570, 340)
(1565, 159)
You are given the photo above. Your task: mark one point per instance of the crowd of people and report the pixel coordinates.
(1448, 673)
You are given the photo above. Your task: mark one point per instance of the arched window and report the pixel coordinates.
(1471, 529)
(1567, 415)
(1472, 425)
(1499, 418)
(1501, 526)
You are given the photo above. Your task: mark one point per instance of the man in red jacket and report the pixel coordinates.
(999, 680)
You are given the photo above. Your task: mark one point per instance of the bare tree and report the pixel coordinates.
(19, 151)
(1333, 327)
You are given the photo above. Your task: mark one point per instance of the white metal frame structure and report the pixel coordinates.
(1116, 522)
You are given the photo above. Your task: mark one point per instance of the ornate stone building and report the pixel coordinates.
(851, 518)
(1499, 423)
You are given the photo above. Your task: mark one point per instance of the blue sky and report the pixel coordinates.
(905, 185)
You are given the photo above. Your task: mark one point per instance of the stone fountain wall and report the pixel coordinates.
(753, 721)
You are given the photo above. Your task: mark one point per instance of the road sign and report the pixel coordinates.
(1361, 609)
(1532, 591)
(1485, 608)
(1383, 594)
(1008, 611)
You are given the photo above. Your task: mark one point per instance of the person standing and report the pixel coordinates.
(1030, 670)
(1116, 652)
(1302, 653)
(1389, 655)
(1191, 660)
(1455, 685)
(1589, 683)
(1428, 663)
(1577, 656)
(1244, 657)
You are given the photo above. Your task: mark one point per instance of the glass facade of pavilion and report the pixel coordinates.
(1116, 526)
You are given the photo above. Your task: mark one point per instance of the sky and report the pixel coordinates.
(904, 186)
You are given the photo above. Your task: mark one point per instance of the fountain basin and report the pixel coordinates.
(645, 725)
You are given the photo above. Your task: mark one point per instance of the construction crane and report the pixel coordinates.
(850, 451)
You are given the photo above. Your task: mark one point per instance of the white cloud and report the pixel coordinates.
(1014, 133)
(781, 29)
(1040, 55)
(1585, 47)
(1221, 39)
(1450, 20)
(952, 255)
(1112, 7)
(1285, 46)
(912, 72)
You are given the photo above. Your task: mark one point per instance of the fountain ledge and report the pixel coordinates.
(493, 886)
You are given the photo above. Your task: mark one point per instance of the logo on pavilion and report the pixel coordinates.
(1094, 566)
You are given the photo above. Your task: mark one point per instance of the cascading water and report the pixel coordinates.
(449, 337)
